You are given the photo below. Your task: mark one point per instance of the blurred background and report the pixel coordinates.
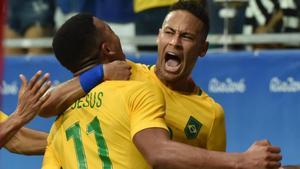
(252, 67)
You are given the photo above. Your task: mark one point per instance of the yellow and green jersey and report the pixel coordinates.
(3, 116)
(195, 119)
(97, 130)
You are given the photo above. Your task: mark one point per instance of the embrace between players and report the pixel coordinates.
(157, 119)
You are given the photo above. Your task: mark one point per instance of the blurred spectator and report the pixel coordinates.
(291, 20)
(118, 13)
(149, 18)
(67, 8)
(271, 16)
(29, 19)
(122, 11)
(216, 15)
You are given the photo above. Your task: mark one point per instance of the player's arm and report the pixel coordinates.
(151, 137)
(29, 104)
(161, 152)
(27, 141)
(63, 95)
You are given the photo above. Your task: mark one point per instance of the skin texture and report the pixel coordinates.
(114, 65)
(162, 152)
(110, 49)
(31, 97)
(179, 37)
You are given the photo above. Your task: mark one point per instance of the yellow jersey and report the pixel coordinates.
(3, 116)
(194, 119)
(141, 5)
(97, 130)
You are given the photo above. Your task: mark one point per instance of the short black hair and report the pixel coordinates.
(195, 7)
(76, 41)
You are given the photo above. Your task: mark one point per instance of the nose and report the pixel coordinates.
(176, 41)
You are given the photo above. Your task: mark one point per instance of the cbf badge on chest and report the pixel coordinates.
(192, 128)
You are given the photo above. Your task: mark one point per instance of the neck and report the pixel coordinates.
(83, 69)
(88, 63)
(186, 85)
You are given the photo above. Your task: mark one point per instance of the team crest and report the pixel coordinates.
(192, 128)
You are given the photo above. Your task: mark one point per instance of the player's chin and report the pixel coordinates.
(171, 77)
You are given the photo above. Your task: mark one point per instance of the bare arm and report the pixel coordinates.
(65, 94)
(61, 97)
(27, 141)
(30, 100)
(161, 152)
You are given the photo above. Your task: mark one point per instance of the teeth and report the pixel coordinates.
(171, 53)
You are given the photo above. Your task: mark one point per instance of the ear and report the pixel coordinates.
(107, 50)
(203, 49)
(104, 48)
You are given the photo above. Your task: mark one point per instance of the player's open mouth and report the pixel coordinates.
(172, 62)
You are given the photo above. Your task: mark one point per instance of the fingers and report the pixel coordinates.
(43, 99)
(36, 86)
(23, 85)
(274, 149)
(270, 148)
(274, 157)
(34, 79)
(125, 64)
(23, 80)
(117, 70)
(273, 164)
(127, 68)
(263, 142)
(44, 89)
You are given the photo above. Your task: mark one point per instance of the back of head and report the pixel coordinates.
(195, 7)
(76, 42)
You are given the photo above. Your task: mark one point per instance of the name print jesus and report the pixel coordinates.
(90, 100)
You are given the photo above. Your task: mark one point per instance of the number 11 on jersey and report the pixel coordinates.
(92, 127)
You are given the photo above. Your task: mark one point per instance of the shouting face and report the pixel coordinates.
(180, 42)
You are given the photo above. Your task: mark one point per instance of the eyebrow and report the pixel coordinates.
(184, 33)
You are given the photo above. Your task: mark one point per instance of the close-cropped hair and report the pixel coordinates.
(76, 41)
(195, 7)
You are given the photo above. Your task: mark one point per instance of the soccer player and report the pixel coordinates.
(191, 115)
(15, 137)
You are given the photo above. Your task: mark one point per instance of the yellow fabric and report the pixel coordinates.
(51, 162)
(3, 116)
(123, 108)
(180, 108)
(141, 5)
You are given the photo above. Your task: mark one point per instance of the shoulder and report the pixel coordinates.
(139, 66)
(215, 106)
(144, 91)
(144, 87)
(127, 88)
(219, 111)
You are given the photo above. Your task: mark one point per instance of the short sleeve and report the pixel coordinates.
(146, 108)
(217, 136)
(50, 160)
